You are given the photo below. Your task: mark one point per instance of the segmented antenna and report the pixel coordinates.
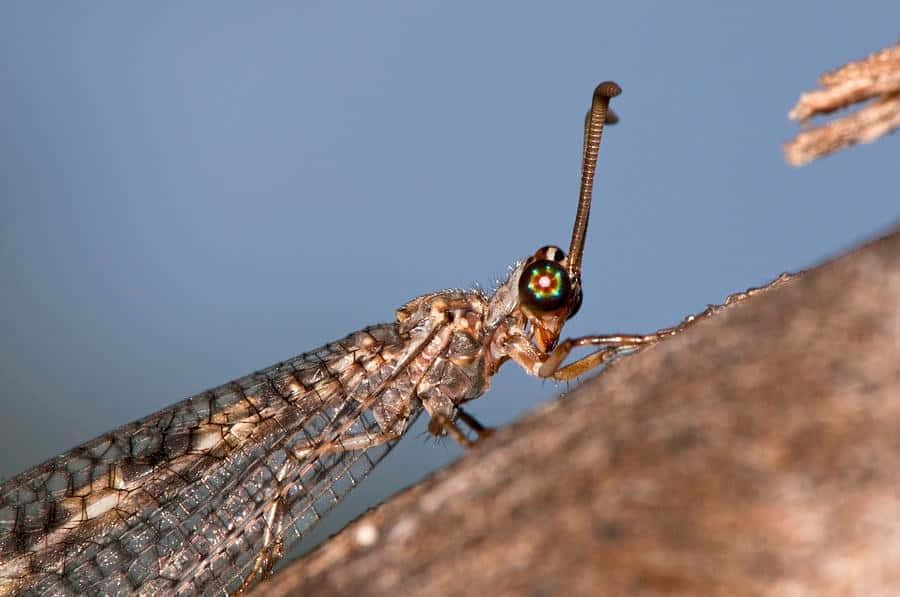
(593, 130)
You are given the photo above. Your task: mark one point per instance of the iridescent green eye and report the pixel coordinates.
(545, 285)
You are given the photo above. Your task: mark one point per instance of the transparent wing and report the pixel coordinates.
(182, 501)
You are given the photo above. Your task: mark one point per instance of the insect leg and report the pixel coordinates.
(474, 424)
(612, 345)
(552, 367)
(439, 425)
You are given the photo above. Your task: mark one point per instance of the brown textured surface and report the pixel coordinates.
(758, 453)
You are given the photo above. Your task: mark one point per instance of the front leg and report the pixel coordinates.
(551, 367)
(612, 345)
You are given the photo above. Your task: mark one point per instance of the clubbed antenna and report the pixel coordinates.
(593, 130)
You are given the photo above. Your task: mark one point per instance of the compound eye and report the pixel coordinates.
(576, 306)
(545, 286)
(550, 253)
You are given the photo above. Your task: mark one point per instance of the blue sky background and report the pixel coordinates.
(189, 192)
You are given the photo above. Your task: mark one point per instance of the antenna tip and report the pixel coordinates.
(607, 89)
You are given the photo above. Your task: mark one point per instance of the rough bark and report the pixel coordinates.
(757, 453)
(875, 78)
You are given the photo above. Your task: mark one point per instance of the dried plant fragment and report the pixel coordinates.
(874, 78)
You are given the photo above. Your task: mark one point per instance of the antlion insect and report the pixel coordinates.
(203, 496)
